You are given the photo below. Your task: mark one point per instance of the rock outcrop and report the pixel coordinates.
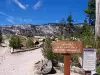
(38, 30)
(43, 66)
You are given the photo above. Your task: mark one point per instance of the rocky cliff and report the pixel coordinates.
(45, 29)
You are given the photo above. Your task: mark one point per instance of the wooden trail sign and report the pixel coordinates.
(71, 47)
(67, 47)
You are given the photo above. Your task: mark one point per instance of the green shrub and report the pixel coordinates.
(60, 57)
(29, 43)
(74, 60)
(98, 42)
(47, 51)
(60, 37)
(87, 36)
(15, 42)
(98, 70)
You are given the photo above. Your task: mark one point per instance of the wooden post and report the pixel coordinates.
(67, 64)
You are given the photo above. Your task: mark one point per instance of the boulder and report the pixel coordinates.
(54, 63)
(77, 70)
(43, 67)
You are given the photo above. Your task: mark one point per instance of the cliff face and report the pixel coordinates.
(47, 29)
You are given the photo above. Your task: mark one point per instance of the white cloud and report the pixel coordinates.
(10, 20)
(13, 20)
(37, 5)
(27, 20)
(19, 4)
(23, 20)
(6, 15)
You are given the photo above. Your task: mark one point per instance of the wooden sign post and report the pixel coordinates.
(67, 64)
(67, 48)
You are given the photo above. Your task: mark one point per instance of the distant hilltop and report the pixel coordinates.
(38, 24)
(37, 30)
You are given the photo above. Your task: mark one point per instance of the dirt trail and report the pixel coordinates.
(19, 63)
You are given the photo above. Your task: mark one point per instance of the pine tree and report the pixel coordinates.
(90, 12)
(69, 19)
(70, 25)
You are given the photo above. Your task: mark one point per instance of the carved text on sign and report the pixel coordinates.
(67, 47)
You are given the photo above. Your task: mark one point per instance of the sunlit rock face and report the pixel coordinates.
(50, 29)
(97, 26)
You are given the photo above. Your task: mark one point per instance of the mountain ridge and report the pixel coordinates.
(43, 29)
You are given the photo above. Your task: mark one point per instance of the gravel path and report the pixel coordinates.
(19, 63)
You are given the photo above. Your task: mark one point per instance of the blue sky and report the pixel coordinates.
(41, 11)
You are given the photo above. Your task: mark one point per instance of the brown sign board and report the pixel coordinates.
(71, 47)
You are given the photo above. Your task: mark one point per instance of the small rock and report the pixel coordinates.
(43, 66)
(61, 66)
(3, 45)
(12, 50)
(77, 70)
(80, 60)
